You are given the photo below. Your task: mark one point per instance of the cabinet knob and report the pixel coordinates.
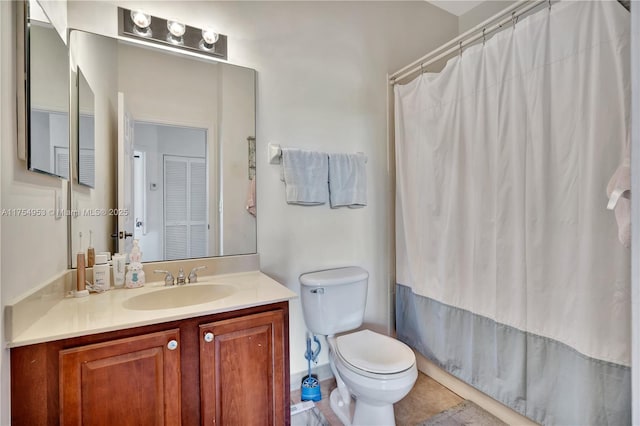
(172, 345)
(208, 337)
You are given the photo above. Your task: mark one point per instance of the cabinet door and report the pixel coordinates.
(132, 381)
(242, 371)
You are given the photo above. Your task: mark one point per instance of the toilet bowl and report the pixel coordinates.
(377, 371)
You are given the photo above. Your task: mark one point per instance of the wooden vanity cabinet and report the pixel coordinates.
(241, 370)
(230, 368)
(132, 381)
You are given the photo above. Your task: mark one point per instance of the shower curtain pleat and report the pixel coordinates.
(510, 275)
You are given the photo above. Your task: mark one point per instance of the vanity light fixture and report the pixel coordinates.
(170, 32)
(176, 31)
(141, 23)
(209, 39)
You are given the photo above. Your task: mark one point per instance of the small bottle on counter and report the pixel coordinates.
(119, 263)
(81, 280)
(101, 275)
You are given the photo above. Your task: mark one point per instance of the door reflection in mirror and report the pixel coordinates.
(170, 191)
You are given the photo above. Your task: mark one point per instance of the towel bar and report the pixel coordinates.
(274, 153)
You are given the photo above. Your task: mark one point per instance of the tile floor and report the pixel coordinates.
(426, 399)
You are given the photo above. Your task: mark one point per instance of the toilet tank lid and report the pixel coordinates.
(337, 276)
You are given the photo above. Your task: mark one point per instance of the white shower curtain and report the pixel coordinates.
(510, 274)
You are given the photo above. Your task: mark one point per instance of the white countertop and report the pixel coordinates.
(98, 313)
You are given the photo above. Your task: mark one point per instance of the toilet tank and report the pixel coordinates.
(333, 300)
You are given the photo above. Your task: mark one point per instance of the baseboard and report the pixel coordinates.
(467, 391)
(322, 371)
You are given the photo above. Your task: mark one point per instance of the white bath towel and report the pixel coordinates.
(347, 180)
(305, 174)
(619, 192)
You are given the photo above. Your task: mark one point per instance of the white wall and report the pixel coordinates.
(56, 11)
(22, 242)
(322, 70)
(480, 13)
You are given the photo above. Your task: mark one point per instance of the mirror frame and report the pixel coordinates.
(23, 95)
(22, 65)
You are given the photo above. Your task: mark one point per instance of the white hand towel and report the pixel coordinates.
(347, 180)
(618, 191)
(305, 176)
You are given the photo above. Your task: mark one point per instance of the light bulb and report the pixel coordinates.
(177, 29)
(140, 19)
(209, 36)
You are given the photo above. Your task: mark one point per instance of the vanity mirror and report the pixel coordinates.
(171, 148)
(47, 96)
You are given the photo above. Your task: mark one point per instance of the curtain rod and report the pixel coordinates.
(480, 31)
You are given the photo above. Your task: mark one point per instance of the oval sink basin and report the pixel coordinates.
(179, 296)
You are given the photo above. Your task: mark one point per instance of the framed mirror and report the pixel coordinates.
(86, 133)
(47, 96)
(172, 152)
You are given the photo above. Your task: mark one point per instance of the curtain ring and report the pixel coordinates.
(514, 18)
(549, 4)
(460, 48)
(484, 36)
(421, 67)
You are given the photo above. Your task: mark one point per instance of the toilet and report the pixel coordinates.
(375, 369)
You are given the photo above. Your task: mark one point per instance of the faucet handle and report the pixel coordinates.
(193, 278)
(180, 278)
(168, 278)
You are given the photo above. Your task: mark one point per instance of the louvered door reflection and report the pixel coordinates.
(185, 207)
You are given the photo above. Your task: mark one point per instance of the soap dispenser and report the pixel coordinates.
(135, 273)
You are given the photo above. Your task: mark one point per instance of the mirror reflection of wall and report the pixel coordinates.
(86, 133)
(48, 150)
(181, 96)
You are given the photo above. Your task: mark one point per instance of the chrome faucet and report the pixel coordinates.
(168, 278)
(193, 278)
(181, 278)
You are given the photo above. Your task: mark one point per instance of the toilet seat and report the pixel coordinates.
(374, 354)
